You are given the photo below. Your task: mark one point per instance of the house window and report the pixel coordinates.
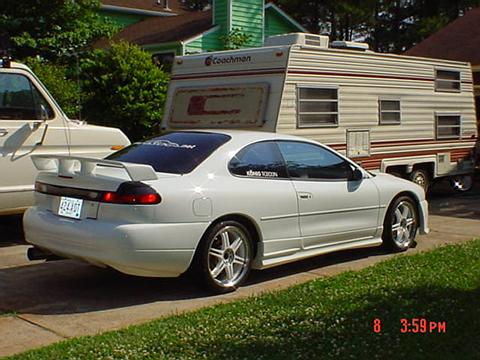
(477, 104)
(476, 77)
(447, 80)
(389, 111)
(317, 107)
(448, 126)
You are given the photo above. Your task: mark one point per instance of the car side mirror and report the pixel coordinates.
(356, 175)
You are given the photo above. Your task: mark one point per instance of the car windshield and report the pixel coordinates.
(175, 152)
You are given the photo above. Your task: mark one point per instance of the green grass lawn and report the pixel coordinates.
(329, 318)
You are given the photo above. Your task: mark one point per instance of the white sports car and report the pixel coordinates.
(218, 203)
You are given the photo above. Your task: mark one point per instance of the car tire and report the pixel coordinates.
(421, 178)
(462, 183)
(400, 225)
(224, 257)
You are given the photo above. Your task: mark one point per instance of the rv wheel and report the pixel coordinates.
(420, 177)
(462, 183)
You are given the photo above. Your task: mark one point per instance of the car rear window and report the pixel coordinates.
(175, 152)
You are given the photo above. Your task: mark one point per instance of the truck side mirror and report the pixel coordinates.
(43, 113)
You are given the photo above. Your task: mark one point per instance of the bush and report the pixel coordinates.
(60, 83)
(125, 89)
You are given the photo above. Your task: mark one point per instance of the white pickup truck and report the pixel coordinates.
(31, 122)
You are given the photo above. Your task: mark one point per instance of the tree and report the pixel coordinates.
(235, 39)
(125, 89)
(60, 82)
(388, 26)
(53, 29)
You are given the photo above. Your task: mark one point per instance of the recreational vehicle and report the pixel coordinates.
(409, 116)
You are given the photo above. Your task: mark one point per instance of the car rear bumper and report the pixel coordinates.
(158, 250)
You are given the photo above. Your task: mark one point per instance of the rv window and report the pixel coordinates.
(261, 159)
(389, 111)
(317, 107)
(448, 126)
(447, 80)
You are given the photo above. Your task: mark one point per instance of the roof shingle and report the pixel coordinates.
(459, 40)
(155, 30)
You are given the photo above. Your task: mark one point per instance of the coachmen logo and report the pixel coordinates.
(213, 60)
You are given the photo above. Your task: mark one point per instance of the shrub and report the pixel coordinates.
(125, 89)
(60, 83)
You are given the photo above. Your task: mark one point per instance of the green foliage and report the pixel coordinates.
(51, 29)
(235, 39)
(329, 318)
(197, 4)
(388, 26)
(60, 82)
(123, 88)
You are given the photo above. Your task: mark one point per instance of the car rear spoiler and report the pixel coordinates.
(67, 166)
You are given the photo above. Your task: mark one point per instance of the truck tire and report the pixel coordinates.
(421, 178)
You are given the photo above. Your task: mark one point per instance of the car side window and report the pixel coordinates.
(309, 161)
(20, 99)
(259, 160)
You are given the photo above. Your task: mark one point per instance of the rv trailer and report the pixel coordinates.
(408, 116)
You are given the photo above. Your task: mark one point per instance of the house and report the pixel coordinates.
(459, 40)
(167, 28)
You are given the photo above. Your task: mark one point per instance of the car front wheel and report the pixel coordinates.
(224, 256)
(401, 224)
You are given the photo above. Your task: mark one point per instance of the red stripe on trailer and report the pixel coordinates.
(371, 76)
(229, 74)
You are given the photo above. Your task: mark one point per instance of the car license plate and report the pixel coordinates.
(70, 207)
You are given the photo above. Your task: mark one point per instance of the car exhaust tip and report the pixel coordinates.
(35, 253)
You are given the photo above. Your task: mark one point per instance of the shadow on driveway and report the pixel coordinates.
(69, 287)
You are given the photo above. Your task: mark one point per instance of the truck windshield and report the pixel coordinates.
(176, 152)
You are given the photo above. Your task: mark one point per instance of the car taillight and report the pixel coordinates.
(132, 192)
(41, 187)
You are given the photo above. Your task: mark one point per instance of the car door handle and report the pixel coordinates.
(304, 195)
(3, 132)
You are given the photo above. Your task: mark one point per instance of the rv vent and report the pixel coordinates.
(350, 45)
(298, 39)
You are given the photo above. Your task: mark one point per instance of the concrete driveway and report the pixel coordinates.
(43, 303)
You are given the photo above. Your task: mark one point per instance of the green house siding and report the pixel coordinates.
(248, 18)
(251, 17)
(209, 41)
(220, 15)
(275, 24)
(120, 19)
(174, 47)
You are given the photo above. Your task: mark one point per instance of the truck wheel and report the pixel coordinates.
(400, 224)
(224, 257)
(462, 183)
(420, 177)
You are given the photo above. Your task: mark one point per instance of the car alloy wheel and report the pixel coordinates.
(401, 224)
(225, 256)
(461, 183)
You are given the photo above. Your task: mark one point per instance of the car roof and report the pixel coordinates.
(247, 135)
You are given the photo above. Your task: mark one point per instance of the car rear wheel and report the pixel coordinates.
(224, 256)
(400, 225)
